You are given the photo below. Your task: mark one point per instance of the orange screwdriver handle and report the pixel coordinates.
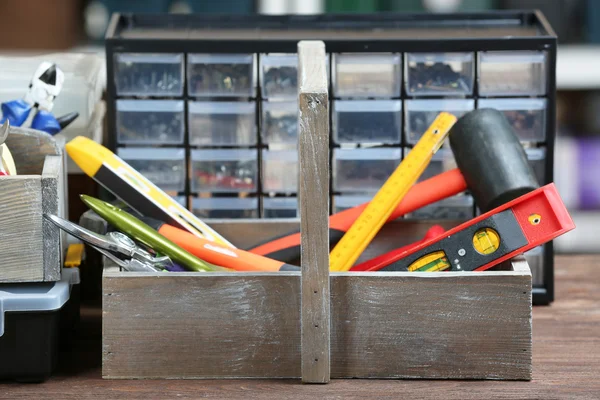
(221, 255)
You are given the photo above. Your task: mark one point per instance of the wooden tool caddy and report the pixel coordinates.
(315, 325)
(32, 247)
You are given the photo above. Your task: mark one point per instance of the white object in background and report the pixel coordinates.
(96, 18)
(582, 239)
(274, 7)
(84, 82)
(566, 170)
(441, 6)
(279, 7)
(45, 85)
(577, 67)
(308, 6)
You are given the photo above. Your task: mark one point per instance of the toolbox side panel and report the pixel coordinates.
(432, 326)
(51, 235)
(199, 325)
(450, 325)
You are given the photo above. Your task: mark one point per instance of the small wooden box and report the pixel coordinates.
(31, 247)
(316, 325)
(448, 325)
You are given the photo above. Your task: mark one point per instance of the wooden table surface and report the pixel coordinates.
(566, 362)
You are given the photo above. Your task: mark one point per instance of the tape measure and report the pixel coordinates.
(370, 221)
(487, 240)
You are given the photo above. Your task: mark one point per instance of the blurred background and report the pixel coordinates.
(39, 26)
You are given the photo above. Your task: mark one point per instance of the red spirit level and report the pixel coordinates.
(513, 228)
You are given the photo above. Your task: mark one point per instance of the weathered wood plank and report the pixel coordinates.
(193, 325)
(386, 325)
(33, 251)
(313, 157)
(29, 148)
(460, 326)
(21, 229)
(63, 182)
(52, 236)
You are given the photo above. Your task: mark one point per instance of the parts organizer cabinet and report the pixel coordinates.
(450, 325)
(392, 60)
(31, 247)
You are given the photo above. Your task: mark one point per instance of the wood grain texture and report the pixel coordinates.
(192, 325)
(313, 157)
(52, 236)
(34, 245)
(29, 148)
(454, 326)
(63, 182)
(21, 244)
(566, 362)
(384, 325)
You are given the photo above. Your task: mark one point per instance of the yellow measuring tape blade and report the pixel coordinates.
(364, 229)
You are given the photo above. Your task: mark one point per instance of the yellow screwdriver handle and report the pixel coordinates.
(370, 221)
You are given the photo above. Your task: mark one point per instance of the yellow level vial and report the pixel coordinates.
(370, 221)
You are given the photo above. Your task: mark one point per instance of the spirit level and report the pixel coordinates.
(487, 240)
(134, 189)
(370, 221)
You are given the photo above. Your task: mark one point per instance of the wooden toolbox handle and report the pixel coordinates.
(313, 156)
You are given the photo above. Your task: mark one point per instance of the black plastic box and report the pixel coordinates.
(473, 45)
(37, 319)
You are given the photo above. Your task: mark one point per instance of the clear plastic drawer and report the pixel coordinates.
(363, 170)
(279, 122)
(344, 202)
(216, 75)
(439, 74)
(527, 116)
(280, 171)
(363, 75)
(421, 113)
(367, 121)
(512, 73)
(225, 207)
(279, 76)
(144, 122)
(163, 167)
(148, 74)
(222, 123)
(280, 207)
(234, 170)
